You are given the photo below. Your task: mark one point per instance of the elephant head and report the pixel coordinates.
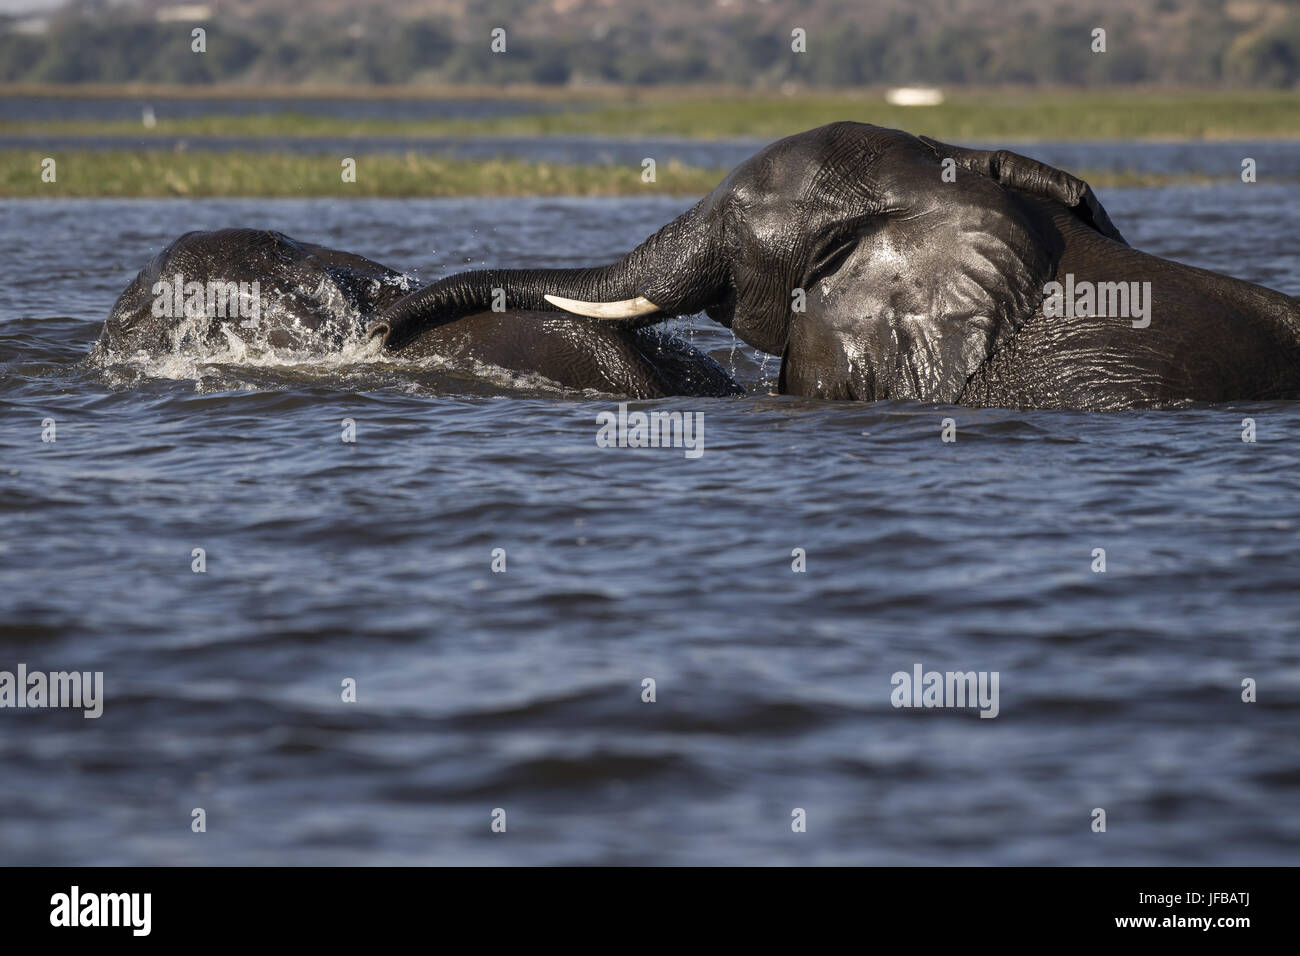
(306, 294)
(907, 259)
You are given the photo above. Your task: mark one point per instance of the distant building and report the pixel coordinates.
(914, 96)
(31, 26)
(183, 13)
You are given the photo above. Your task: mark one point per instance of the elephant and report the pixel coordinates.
(882, 265)
(309, 297)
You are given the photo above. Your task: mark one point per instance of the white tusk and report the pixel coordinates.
(627, 309)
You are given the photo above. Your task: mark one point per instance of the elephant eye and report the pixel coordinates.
(831, 257)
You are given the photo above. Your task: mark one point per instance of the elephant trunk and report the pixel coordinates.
(677, 271)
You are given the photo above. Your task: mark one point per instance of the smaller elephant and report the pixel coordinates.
(265, 288)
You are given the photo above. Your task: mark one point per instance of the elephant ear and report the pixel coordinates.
(931, 289)
(1032, 177)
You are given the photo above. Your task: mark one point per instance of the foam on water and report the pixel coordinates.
(212, 366)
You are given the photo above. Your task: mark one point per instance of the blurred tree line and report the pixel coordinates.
(1198, 43)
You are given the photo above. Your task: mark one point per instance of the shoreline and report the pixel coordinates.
(157, 175)
(449, 91)
(960, 119)
(1125, 114)
(277, 157)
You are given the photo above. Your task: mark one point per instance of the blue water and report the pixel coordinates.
(522, 690)
(59, 109)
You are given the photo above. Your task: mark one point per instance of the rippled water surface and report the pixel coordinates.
(522, 690)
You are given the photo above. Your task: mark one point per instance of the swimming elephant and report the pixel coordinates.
(884, 265)
(264, 287)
